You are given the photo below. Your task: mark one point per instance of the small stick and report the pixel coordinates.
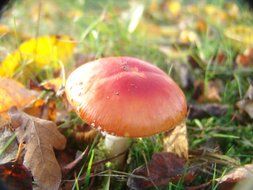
(18, 158)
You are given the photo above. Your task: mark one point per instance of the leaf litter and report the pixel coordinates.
(40, 137)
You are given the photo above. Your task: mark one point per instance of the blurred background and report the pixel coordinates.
(206, 46)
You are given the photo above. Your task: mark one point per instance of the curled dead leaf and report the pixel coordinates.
(237, 175)
(40, 137)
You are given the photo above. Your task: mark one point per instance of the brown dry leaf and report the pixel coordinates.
(245, 59)
(13, 93)
(47, 109)
(246, 104)
(176, 141)
(40, 137)
(221, 58)
(184, 75)
(199, 111)
(210, 93)
(15, 176)
(36, 109)
(44, 108)
(229, 180)
(201, 25)
(164, 167)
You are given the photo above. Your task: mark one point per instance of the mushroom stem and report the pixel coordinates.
(176, 141)
(116, 145)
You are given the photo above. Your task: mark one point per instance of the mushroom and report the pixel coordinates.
(126, 98)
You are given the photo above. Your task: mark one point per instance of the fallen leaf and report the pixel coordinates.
(136, 15)
(4, 29)
(153, 6)
(40, 137)
(184, 75)
(228, 181)
(245, 59)
(53, 84)
(201, 26)
(163, 168)
(216, 14)
(38, 53)
(36, 109)
(199, 111)
(246, 104)
(8, 145)
(15, 176)
(192, 9)
(188, 36)
(221, 58)
(232, 9)
(209, 93)
(174, 7)
(13, 93)
(240, 35)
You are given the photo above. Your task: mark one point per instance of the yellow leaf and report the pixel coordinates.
(154, 6)
(232, 10)
(240, 35)
(188, 36)
(38, 53)
(13, 93)
(174, 7)
(216, 14)
(52, 84)
(4, 29)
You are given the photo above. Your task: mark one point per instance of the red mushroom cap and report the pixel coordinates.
(125, 96)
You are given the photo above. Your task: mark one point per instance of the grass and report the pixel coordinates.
(100, 29)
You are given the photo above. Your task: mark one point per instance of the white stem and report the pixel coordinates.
(116, 145)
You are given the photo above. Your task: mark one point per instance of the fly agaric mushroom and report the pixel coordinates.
(125, 98)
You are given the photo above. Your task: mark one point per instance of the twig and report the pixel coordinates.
(66, 169)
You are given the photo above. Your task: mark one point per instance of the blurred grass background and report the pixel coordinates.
(101, 28)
